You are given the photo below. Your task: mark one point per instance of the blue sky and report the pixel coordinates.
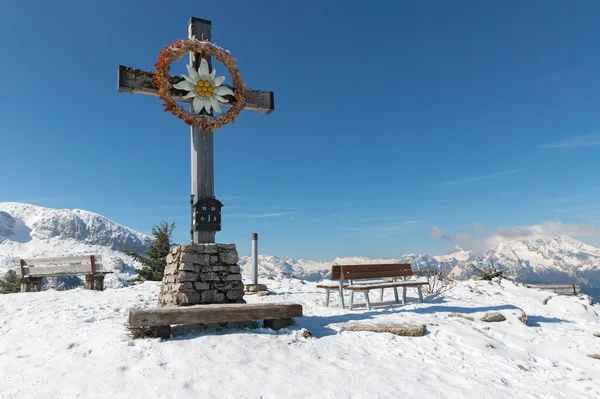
(391, 118)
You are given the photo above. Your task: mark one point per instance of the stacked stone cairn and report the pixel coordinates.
(201, 274)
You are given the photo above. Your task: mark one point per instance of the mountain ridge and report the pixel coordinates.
(33, 231)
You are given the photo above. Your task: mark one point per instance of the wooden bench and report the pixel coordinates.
(560, 289)
(352, 273)
(275, 316)
(32, 271)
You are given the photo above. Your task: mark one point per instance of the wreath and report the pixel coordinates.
(206, 91)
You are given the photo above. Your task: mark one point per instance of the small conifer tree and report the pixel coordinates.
(154, 260)
(11, 283)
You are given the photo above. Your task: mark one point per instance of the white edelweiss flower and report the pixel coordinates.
(204, 88)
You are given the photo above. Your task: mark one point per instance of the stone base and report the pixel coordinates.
(201, 274)
(257, 289)
(259, 293)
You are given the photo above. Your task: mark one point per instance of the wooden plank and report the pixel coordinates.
(376, 274)
(332, 286)
(62, 260)
(136, 81)
(368, 287)
(336, 270)
(203, 154)
(561, 289)
(208, 314)
(551, 285)
(367, 267)
(55, 270)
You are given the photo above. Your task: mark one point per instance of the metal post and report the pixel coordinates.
(254, 258)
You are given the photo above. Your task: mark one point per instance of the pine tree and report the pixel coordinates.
(154, 260)
(11, 283)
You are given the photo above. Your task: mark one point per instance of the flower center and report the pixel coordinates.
(204, 89)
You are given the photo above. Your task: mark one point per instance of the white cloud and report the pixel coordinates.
(481, 177)
(587, 140)
(484, 238)
(436, 232)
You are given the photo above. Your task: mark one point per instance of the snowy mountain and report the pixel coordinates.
(554, 260)
(23, 223)
(28, 231)
(547, 260)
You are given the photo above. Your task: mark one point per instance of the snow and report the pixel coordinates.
(74, 344)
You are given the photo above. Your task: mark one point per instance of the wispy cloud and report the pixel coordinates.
(372, 218)
(562, 75)
(587, 140)
(436, 232)
(256, 215)
(234, 198)
(580, 208)
(384, 230)
(564, 200)
(482, 177)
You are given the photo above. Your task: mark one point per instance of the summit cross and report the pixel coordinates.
(137, 81)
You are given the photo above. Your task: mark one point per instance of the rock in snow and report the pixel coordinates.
(493, 317)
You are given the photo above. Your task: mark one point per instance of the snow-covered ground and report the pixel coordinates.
(74, 344)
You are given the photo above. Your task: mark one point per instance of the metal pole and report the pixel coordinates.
(254, 258)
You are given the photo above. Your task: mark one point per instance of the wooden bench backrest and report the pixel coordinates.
(561, 289)
(356, 272)
(59, 266)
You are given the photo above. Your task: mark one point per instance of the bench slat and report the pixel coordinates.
(350, 275)
(62, 260)
(208, 314)
(331, 286)
(55, 270)
(351, 272)
(387, 285)
(561, 289)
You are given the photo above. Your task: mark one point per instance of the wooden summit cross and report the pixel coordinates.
(137, 81)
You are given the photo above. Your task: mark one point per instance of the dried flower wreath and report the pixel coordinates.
(162, 79)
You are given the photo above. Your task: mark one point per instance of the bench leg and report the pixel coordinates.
(420, 294)
(342, 295)
(99, 283)
(25, 285)
(277, 324)
(381, 297)
(367, 300)
(327, 297)
(162, 331)
(89, 282)
(396, 295)
(351, 300)
(404, 295)
(36, 284)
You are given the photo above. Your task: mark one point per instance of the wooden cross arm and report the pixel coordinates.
(137, 81)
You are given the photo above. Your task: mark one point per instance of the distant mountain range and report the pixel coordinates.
(33, 231)
(555, 260)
